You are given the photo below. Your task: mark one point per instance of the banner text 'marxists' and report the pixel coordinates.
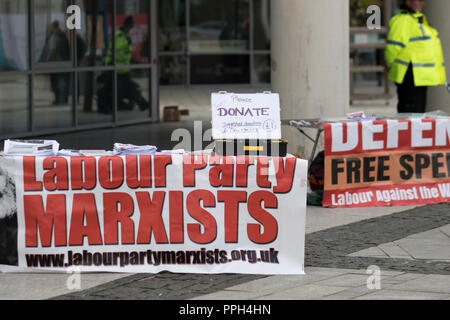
(139, 216)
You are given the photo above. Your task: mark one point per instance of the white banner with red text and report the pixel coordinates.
(147, 214)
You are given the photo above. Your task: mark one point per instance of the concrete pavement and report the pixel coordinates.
(336, 258)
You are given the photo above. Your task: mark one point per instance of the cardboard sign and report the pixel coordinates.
(387, 163)
(177, 213)
(246, 116)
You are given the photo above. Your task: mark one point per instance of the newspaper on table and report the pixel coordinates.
(97, 153)
(130, 149)
(31, 148)
(69, 153)
(169, 152)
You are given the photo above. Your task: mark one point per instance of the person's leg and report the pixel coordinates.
(411, 99)
(420, 99)
(54, 86)
(125, 94)
(133, 92)
(65, 87)
(137, 95)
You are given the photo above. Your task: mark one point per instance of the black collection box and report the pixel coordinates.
(248, 147)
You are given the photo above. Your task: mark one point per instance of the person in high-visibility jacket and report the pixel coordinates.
(414, 57)
(124, 46)
(129, 92)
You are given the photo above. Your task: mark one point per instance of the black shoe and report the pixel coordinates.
(143, 104)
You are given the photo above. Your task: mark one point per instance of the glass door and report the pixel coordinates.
(52, 60)
(52, 40)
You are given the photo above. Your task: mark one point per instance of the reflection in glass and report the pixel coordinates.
(172, 70)
(13, 35)
(358, 12)
(367, 57)
(132, 34)
(133, 94)
(220, 69)
(219, 26)
(13, 104)
(261, 34)
(261, 72)
(93, 38)
(51, 37)
(172, 25)
(95, 97)
(48, 114)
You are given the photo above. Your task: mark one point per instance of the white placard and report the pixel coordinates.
(246, 116)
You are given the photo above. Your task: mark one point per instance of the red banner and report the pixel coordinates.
(387, 162)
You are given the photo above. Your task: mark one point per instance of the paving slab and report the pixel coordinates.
(370, 252)
(346, 280)
(348, 294)
(306, 292)
(429, 245)
(402, 295)
(318, 218)
(429, 283)
(40, 286)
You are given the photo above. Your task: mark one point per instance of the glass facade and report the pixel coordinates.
(107, 72)
(214, 41)
(14, 53)
(55, 79)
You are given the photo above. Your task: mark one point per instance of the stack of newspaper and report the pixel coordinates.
(170, 152)
(130, 149)
(31, 148)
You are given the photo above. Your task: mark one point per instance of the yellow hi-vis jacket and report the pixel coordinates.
(412, 40)
(124, 51)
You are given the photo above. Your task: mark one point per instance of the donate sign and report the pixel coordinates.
(246, 116)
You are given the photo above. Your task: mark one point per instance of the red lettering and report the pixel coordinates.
(84, 207)
(139, 177)
(118, 207)
(151, 219)
(221, 175)
(242, 164)
(161, 162)
(231, 200)
(201, 215)
(57, 177)
(110, 172)
(268, 222)
(83, 173)
(262, 172)
(190, 164)
(52, 218)
(285, 174)
(176, 217)
(29, 175)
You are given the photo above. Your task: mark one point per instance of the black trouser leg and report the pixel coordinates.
(411, 99)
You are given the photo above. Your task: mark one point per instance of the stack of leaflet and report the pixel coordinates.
(170, 152)
(69, 153)
(31, 148)
(130, 149)
(85, 153)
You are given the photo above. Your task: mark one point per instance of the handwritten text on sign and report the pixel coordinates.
(246, 116)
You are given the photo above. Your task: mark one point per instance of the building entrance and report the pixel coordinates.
(102, 74)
